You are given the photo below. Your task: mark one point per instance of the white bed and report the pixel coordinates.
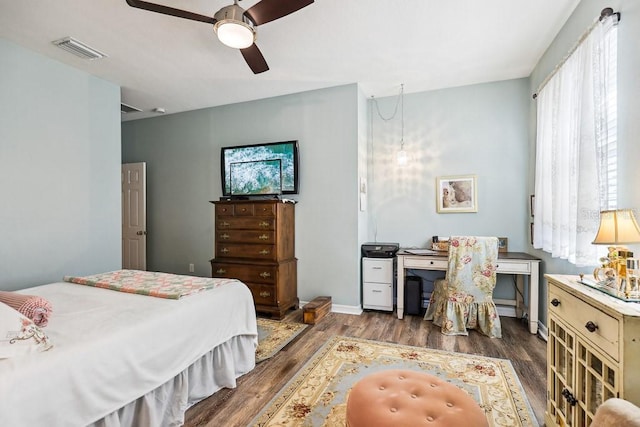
(121, 359)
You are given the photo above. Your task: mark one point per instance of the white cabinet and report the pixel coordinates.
(377, 283)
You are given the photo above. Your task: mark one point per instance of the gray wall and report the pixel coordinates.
(479, 130)
(182, 152)
(59, 171)
(628, 108)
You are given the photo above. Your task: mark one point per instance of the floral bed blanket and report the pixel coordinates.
(155, 284)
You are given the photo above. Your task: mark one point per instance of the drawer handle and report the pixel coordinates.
(263, 224)
(244, 209)
(569, 397)
(221, 271)
(265, 274)
(263, 252)
(224, 236)
(263, 237)
(591, 327)
(376, 291)
(265, 294)
(224, 250)
(377, 268)
(224, 224)
(555, 302)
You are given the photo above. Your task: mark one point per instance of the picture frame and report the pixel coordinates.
(456, 194)
(532, 200)
(503, 244)
(531, 232)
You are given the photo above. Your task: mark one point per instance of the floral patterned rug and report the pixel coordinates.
(317, 395)
(273, 335)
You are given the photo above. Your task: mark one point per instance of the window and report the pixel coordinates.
(576, 147)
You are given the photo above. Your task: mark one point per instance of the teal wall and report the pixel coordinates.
(182, 152)
(59, 171)
(628, 109)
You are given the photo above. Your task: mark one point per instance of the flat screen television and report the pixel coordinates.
(268, 169)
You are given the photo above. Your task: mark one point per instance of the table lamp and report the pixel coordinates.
(617, 227)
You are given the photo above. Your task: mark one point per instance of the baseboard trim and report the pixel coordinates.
(543, 331)
(340, 308)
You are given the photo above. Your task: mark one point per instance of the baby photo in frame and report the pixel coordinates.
(456, 194)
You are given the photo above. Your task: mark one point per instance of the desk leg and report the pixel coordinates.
(400, 287)
(520, 296)
(534, 285)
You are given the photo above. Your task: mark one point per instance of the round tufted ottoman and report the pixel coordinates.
(410, 398)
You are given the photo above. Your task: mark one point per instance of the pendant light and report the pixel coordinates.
(402, 157)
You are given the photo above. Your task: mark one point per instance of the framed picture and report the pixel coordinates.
(503, 244)
(532, 203)
(456, 194)
(531, 233)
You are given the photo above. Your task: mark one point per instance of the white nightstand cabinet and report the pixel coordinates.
(593, 351)
(377, 283)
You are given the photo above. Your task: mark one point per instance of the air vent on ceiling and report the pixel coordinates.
(124, 109)
(78, 48)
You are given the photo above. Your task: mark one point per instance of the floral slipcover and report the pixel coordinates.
(463, 300)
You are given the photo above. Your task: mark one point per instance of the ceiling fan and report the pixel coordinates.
(235, 26)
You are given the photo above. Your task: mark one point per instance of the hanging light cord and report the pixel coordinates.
(395, 110)
(402, 116)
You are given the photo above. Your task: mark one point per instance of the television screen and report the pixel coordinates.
(260, 169)
(255, 177)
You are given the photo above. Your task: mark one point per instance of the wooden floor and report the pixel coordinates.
(237, 407)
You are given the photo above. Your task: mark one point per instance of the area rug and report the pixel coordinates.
(274, 335)
(317, 394)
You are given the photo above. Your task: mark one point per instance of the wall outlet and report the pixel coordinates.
(192, 268)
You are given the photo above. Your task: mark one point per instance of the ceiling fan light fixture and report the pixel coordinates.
(233, 28)
(235, 34)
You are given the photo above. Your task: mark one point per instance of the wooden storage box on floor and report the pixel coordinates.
(316, 309)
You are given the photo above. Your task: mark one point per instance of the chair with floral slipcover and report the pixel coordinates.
(463, 299)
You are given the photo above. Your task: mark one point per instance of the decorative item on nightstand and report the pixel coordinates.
(617, 227)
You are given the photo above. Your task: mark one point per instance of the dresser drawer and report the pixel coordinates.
(263, 294)
(226, 209)
(577, 312)
(245, 223)
(245, 236)
(239, 250)
(245, 273)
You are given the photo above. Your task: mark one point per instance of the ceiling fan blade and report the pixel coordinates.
(166, 10)
(269, 10)
(254, 59)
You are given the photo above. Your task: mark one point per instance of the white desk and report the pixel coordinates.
(519, 263)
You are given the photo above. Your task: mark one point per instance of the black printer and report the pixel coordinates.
(380, 250)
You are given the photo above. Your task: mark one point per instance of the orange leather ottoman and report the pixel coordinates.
(410, 398)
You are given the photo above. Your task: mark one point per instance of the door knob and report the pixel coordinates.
(141, 233)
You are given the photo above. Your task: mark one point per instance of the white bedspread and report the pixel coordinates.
(112, 347)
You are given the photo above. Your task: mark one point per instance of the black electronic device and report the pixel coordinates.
(380, 250)
(269, 169)
(413, 295)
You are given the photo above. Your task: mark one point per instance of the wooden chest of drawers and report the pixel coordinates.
(255, 243)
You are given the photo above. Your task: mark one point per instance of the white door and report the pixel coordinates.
(134, 216)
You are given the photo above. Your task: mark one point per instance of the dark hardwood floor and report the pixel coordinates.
(237, 407)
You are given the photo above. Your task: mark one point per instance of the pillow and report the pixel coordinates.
(19, 335)
(34, 307)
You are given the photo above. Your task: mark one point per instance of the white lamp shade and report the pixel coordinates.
(235, 34)
(617, 227)
(402, 158)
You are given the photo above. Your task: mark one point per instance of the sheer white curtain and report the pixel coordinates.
(574, 121)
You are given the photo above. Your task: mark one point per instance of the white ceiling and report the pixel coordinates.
(179, 65)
